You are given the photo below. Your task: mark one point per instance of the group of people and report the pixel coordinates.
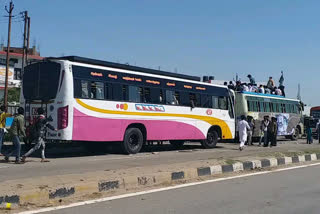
(268, 131)
(309, 132)
(17, 132)
(270, 88)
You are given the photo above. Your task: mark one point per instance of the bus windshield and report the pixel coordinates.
(41, 81)
(315, 114)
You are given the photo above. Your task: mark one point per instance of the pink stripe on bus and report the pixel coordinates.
(89, 128)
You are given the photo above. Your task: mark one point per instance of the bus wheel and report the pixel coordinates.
(211, 141)
(133, 141)
(295, 135)
(177, 144)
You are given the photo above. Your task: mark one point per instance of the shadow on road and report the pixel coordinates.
(82, 149)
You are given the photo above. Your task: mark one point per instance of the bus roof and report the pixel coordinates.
(315, 108)
(266, 95)
(124, 66)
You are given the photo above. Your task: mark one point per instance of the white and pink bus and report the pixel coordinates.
(98, 101)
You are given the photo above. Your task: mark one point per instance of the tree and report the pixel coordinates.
(13, 95)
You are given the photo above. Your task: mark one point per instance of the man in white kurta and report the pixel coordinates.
(243, 128)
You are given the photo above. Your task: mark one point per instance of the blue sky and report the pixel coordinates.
(208, 37)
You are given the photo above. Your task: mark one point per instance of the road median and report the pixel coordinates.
(47, 191)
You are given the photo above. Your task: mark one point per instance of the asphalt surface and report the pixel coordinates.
(288, 192)
(76, 161)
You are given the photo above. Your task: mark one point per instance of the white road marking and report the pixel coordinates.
(1, 167)
(161, 190)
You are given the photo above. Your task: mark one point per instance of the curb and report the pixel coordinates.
(104, 186)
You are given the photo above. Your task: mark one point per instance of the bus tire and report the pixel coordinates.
(295, 135)
(177, 144)
(211, 141)
(133, 141)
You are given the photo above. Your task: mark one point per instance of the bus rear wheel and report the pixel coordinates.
(211, 141)
(295, 135)
(177, 144)
(133, 141)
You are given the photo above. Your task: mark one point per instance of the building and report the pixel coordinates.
(15, 65)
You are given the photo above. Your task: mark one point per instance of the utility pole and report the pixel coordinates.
(299, 92)
(8, 56)
(24, 41)
(28, 41)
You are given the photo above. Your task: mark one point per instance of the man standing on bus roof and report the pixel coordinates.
(40, 129)
(17, 130)
(243, 128)
(251, 79)
(3, 117)
(281, 86)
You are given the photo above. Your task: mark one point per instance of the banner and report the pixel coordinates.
(3, 73)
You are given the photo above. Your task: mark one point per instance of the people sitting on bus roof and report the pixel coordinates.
(231, 85)
(254, 88)
(261, 89)
(267, 90)
(277, 91)
(245, 87)
(270, 84)
(251, 79)
(225, 83)
(238, 86)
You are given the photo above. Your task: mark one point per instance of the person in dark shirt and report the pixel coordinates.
(40, 129)
(273, 131)
(17, 130)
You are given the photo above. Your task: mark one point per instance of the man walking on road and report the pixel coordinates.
(3, 117)
(250, 132)
(17, 130)
(40, 129)
(243, 128)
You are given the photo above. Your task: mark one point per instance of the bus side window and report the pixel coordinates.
(262, 107)
(184, 99)
(177, 98)
(147, 95)
(134, 94)
(156, 95)
(97, 90)
(266, 106)
(195, 98)
(223, 103)
(108, 91)
(258, 106)
(84, 89)
(215, 102)
(231, 114)
(271, 107)
(77, 88)
(118, 91)
(205, 101)
(170, 97)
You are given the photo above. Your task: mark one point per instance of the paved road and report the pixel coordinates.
(288, 192)
(73, 164)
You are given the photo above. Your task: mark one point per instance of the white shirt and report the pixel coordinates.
(261, 90)
(278, 92)
(245, 88)
(243, 128)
